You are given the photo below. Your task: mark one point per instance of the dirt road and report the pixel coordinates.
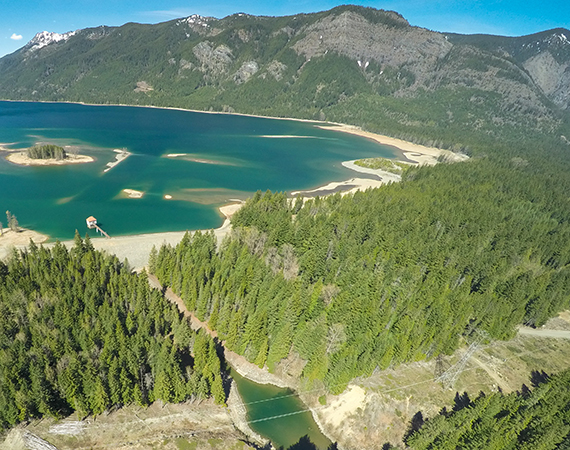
(560, 334)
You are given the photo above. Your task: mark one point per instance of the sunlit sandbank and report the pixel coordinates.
(198, 159)
(121, 155)
(132, 193)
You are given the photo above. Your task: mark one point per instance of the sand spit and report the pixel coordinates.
(384, 175)
(120, 156)
(344, 187)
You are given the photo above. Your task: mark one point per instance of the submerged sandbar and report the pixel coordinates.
(197, 159)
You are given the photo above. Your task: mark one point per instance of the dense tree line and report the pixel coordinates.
(80, 332)
(386, 276)
(537, 420)
(46, 151)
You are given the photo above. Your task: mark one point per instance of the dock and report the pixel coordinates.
(100, 230)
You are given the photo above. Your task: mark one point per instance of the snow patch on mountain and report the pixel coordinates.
(196, 19)
(44, 38)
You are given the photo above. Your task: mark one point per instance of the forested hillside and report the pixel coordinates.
(391, 275)
(348, 285)
(533, 420)
(351, 64)
(80, 332)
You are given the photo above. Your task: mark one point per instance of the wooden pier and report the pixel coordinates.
(100, 230)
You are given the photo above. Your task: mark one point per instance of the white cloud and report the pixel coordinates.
(168, 14)
(16, 37)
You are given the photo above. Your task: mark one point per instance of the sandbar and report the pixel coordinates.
(131, 193)
(120, 156)
(22, 159)
(194, 158)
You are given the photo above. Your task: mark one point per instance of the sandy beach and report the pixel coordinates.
(135, 248)
(344, 187)
(21, 239)
(419, 154)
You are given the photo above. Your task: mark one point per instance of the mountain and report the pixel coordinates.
(351, 64)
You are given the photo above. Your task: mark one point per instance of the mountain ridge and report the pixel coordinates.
(351, 64)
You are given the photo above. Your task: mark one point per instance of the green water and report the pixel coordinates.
(247, 154)
(278, 414)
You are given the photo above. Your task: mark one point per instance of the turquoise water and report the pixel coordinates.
(277, 414)
(245, 154)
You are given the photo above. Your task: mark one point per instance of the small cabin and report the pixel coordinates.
(91, 222)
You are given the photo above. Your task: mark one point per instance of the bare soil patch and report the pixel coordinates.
(191, 425)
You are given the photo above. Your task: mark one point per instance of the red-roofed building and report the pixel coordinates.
(91, 222)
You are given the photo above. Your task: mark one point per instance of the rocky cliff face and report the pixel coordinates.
(544, 56)
(352, 35)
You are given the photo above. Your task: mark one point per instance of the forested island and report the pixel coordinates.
(47, 151)
(47, 155)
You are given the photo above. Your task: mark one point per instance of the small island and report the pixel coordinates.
(47, 155)
(388, 165)
(132, 193)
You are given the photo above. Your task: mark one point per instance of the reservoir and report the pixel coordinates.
(278, 414)
(186, 164)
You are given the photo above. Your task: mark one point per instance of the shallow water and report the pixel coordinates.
(220, 157)
(278, 414)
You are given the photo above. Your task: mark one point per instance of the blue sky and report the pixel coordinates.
(21, 20)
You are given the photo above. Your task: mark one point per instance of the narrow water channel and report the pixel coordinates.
(278, 414)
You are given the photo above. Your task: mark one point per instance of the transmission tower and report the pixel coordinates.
(449, 377)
